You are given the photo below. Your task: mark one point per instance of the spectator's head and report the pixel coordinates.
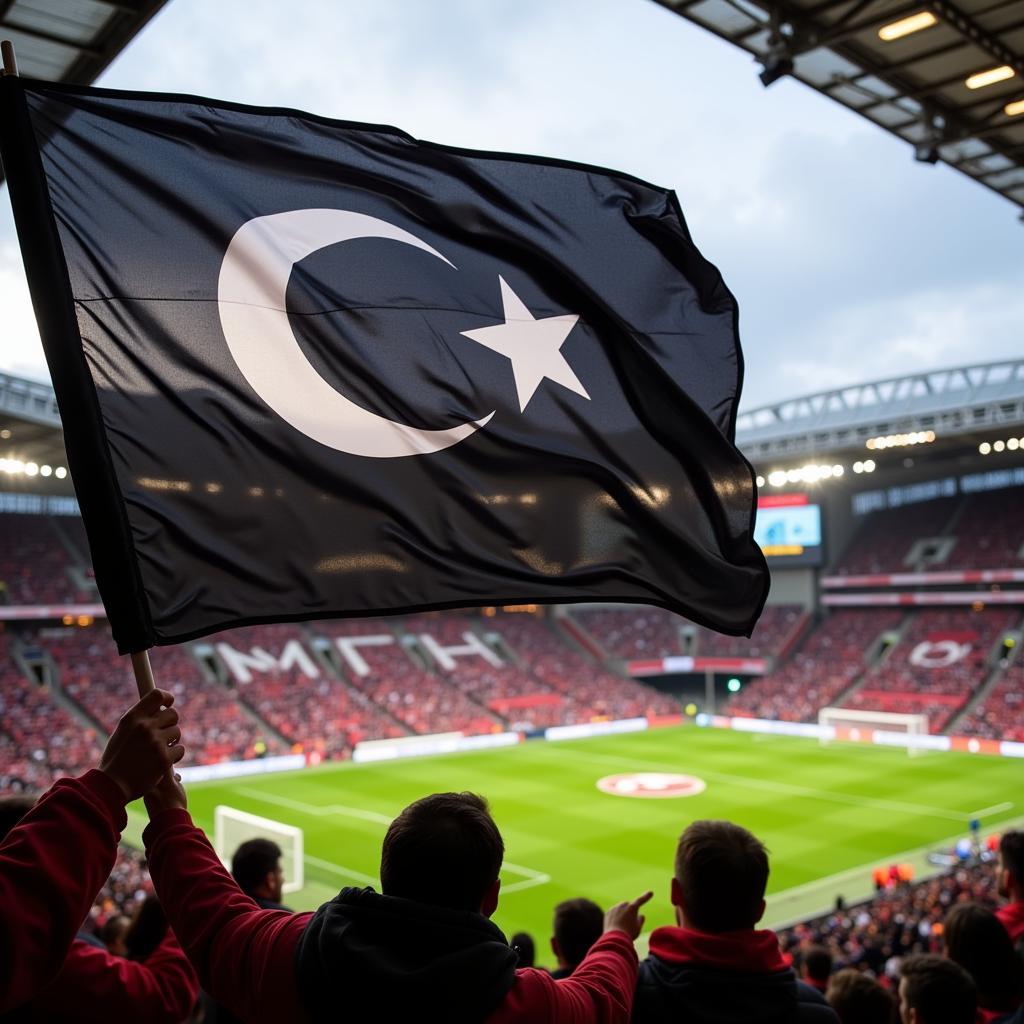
(934, 990)
(978, 942)
(858, 998)
(147, 929)
(721, 872)
(816, 966)
(444, 850)
(256, 867)
(1011, 865)
(578, 924)
(12, 810)
(522, 943)
(112, 935)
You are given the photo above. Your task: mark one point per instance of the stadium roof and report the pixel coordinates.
(956, 404)
(947, 76)
(71, 40)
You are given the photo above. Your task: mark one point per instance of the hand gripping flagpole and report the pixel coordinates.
(141, 666)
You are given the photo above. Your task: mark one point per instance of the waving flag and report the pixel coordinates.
(311, 368)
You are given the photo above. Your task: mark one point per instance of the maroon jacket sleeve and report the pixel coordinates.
(52, 865)
(94, 987)
(244, 955)
(599, 991)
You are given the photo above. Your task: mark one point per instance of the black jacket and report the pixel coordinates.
(731, 978)
(364, 956)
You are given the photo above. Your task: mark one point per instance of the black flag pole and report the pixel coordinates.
(141, 667)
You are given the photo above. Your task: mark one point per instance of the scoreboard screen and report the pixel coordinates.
(788, 529)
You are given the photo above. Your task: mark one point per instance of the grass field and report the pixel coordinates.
(827, 814)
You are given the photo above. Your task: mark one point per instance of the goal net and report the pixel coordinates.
(232, 827)
(861, 726)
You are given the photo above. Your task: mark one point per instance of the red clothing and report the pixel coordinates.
(94, 986)
(52, 864)
(246, 956)
(1012, 916)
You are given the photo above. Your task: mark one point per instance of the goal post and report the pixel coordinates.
(232, 827)
(861, 726)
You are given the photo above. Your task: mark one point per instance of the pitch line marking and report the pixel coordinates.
(1006, 805)
(776, 787)
(530, 880)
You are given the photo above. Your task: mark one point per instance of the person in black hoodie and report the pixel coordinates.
(713, 966)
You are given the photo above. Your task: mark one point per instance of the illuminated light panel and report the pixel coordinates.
(906, 26)
(60, 472)
(1014, 109)
(984, 448)
(990, 77)
(999, 446)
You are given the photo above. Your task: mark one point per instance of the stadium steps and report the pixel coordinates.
(993, 680)
(52, 687)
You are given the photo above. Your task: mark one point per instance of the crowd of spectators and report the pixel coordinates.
(422, 701)
(885, 539)
(826, 664)
(989, 533)
(963, 638)
(633, 633)
(34, 564)
(314, 711)
(1000, 715)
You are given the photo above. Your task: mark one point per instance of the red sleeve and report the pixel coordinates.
(599, 991)
(52, 864)
(244, 955)
(95, 988)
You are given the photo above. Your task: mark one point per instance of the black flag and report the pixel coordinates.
(310, 368)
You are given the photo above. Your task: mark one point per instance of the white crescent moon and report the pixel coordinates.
(251, 296)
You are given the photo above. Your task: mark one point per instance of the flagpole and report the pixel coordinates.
(10, 61)
(143, 672)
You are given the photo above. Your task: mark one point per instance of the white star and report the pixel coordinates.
(532, 345)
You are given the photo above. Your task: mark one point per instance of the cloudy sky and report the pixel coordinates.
(849, 260)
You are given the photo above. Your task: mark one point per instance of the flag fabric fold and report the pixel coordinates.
(311, 368)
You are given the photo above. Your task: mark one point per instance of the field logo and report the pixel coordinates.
(651, 785)
(938, 653)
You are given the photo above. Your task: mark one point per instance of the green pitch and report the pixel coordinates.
(827, 814)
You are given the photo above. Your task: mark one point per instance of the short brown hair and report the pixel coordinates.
(722, 871)
(858, 999)
(444, 850)
(941, 991)
(1011, 854)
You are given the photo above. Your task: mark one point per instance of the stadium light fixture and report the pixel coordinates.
(45, 470)
(760, 481)
(60, 472)
(984, 448)
(906, 26)
(31, 469)
(1013, 444)
(981, 79)
(5, 434)
(999, 446)
(1014, 109)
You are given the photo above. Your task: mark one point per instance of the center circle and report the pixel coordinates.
(651, 785)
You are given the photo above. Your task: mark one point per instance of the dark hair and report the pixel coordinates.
(522, 943)
(12, 810)
(253, 861)
(817, 960)
(147, 929)
(722, 871)
(114, 929)
(858, 999)
(1011, 855)
(578, 924)
(444, 850)
(978, 942)
(940, 990)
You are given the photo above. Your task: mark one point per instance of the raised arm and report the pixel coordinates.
(244, 955)
(53, 862)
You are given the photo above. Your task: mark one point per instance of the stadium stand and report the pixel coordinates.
(633, 633)
(1000, 715)
(594, 692)
(886, 539)
(313, 711)
(774, 631)
(128, 885)
(421, 700)
(39, 740)
(827, 663)
(34, 564)
(989, 533)
(942, 659)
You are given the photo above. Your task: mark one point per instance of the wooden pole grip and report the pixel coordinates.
(143, 672)
(9, 59)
